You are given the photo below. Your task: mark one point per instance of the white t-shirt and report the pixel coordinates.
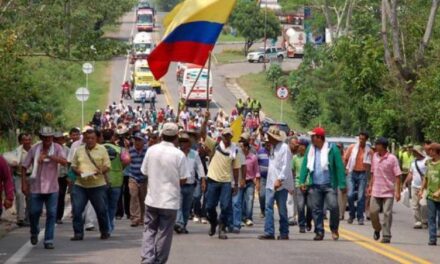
(417, 179)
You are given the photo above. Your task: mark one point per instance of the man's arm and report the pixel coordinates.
(7, 184)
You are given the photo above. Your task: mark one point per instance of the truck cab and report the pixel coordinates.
(142, 46)
(145, 20)
(143, 75)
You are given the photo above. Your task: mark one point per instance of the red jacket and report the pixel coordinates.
(6, 182)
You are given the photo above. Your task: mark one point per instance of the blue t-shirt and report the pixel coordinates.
(263, 161)
(320, 176)
(136, 164)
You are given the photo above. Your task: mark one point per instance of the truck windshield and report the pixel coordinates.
(142, 47)
(145, 19)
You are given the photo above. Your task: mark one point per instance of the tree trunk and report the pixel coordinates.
(428, 33)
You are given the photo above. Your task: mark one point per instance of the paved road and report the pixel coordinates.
(355, 245)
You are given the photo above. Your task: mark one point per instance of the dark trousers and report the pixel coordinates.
(320, 194)
(158, 235)
(199, 202)
(98, 197)
(219, 192)
(62, 182)
(124, 200)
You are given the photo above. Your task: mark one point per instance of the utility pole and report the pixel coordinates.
(265, 35)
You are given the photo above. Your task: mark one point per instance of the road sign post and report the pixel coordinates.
(282, 94)
(82, 94)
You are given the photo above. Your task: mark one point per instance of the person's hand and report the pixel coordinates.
(43, 156)
(397, 196)
(203, 185)
(369, 191)
(344, 190)
(242, 183)
(420, 194)
(278, 184)
(234, 190)
(7, 203)
(436, 194)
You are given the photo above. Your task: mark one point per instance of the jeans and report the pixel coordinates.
(433, 214)
(280, 197)
(320, 194)
(248, 208)
(357, 181)
(113, 195)
(186, 198)
(99, 200)
(218, 192)
(37, 200)
(237, 209)
(304, 217)
(199, 206)
(262, 195)
(62, 182)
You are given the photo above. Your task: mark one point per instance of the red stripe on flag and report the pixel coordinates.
(188, 52)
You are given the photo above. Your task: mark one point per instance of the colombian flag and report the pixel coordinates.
(192, 28)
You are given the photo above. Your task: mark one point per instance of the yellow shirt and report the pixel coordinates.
(81, 161)
(221, 165)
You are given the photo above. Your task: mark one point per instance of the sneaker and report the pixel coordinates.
(196, 219)
(204, 221)
(293, 222)
(49, 246)
(283, 238)
(76, 238)
(105, 236)
(361, 222)
(309, 228)
(350, 220)
(266, 237)
(335, 235)
(376, 235)
(34, 240)
(222, 234)
(302, 230)
(318, 237)
(178, 229)
(418, 225)
(212, 229)
(385, 240)
(185, 231)
(432, 243)
(249, 222)
(92, 228)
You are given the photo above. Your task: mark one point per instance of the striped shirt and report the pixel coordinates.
(136, 163)
(263, 161)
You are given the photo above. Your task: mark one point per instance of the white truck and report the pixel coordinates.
(294, 41)
(142, 46)
(186, 75)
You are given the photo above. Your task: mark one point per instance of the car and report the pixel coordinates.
(268, 54)
(138, 90)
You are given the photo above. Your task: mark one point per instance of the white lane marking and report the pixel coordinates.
(128, 54)
(27, 247)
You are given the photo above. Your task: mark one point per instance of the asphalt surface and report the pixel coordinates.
(355, 245)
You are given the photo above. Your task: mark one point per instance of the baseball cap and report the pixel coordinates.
(317, 131)
(139, 135)
(184, 136)
(303, 142)
(170, 129)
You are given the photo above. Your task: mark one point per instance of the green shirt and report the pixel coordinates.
(433, 178)
(296, 167)
(115, 175)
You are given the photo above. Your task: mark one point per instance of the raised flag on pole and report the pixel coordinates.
(192, 28)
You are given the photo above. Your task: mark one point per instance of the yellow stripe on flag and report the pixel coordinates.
(216, 11)
(237, 129)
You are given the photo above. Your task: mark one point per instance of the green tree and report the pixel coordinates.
(273, 74)
(249, 20)
(166, 5)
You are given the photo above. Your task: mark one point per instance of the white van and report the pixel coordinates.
(142, 46)
(186, 76)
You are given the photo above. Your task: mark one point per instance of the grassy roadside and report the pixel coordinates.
(229, 38)
(229, 56)
(258, 87)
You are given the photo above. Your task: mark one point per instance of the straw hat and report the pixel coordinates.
(276, 133)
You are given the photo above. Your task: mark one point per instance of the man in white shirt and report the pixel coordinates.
(279, 182)
(165, 166)
(416, 173)
(194, 165)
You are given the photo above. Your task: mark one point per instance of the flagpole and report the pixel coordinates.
(208, 87)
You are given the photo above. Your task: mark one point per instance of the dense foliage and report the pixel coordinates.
(60, 31)
(351, 84)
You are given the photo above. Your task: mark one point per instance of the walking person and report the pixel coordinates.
(42, 186)
(223, 168)
(91, 164)
(279, 182)
(166, 169)
(415, 177)
(263, 163)
(62, 178)
(137, 182)
(384, 187)
(195, 167)
(6, 185)
(251, 176)
(323, 164)
(303, 198)
(357, 160)
(292, 201)
(432, 185)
